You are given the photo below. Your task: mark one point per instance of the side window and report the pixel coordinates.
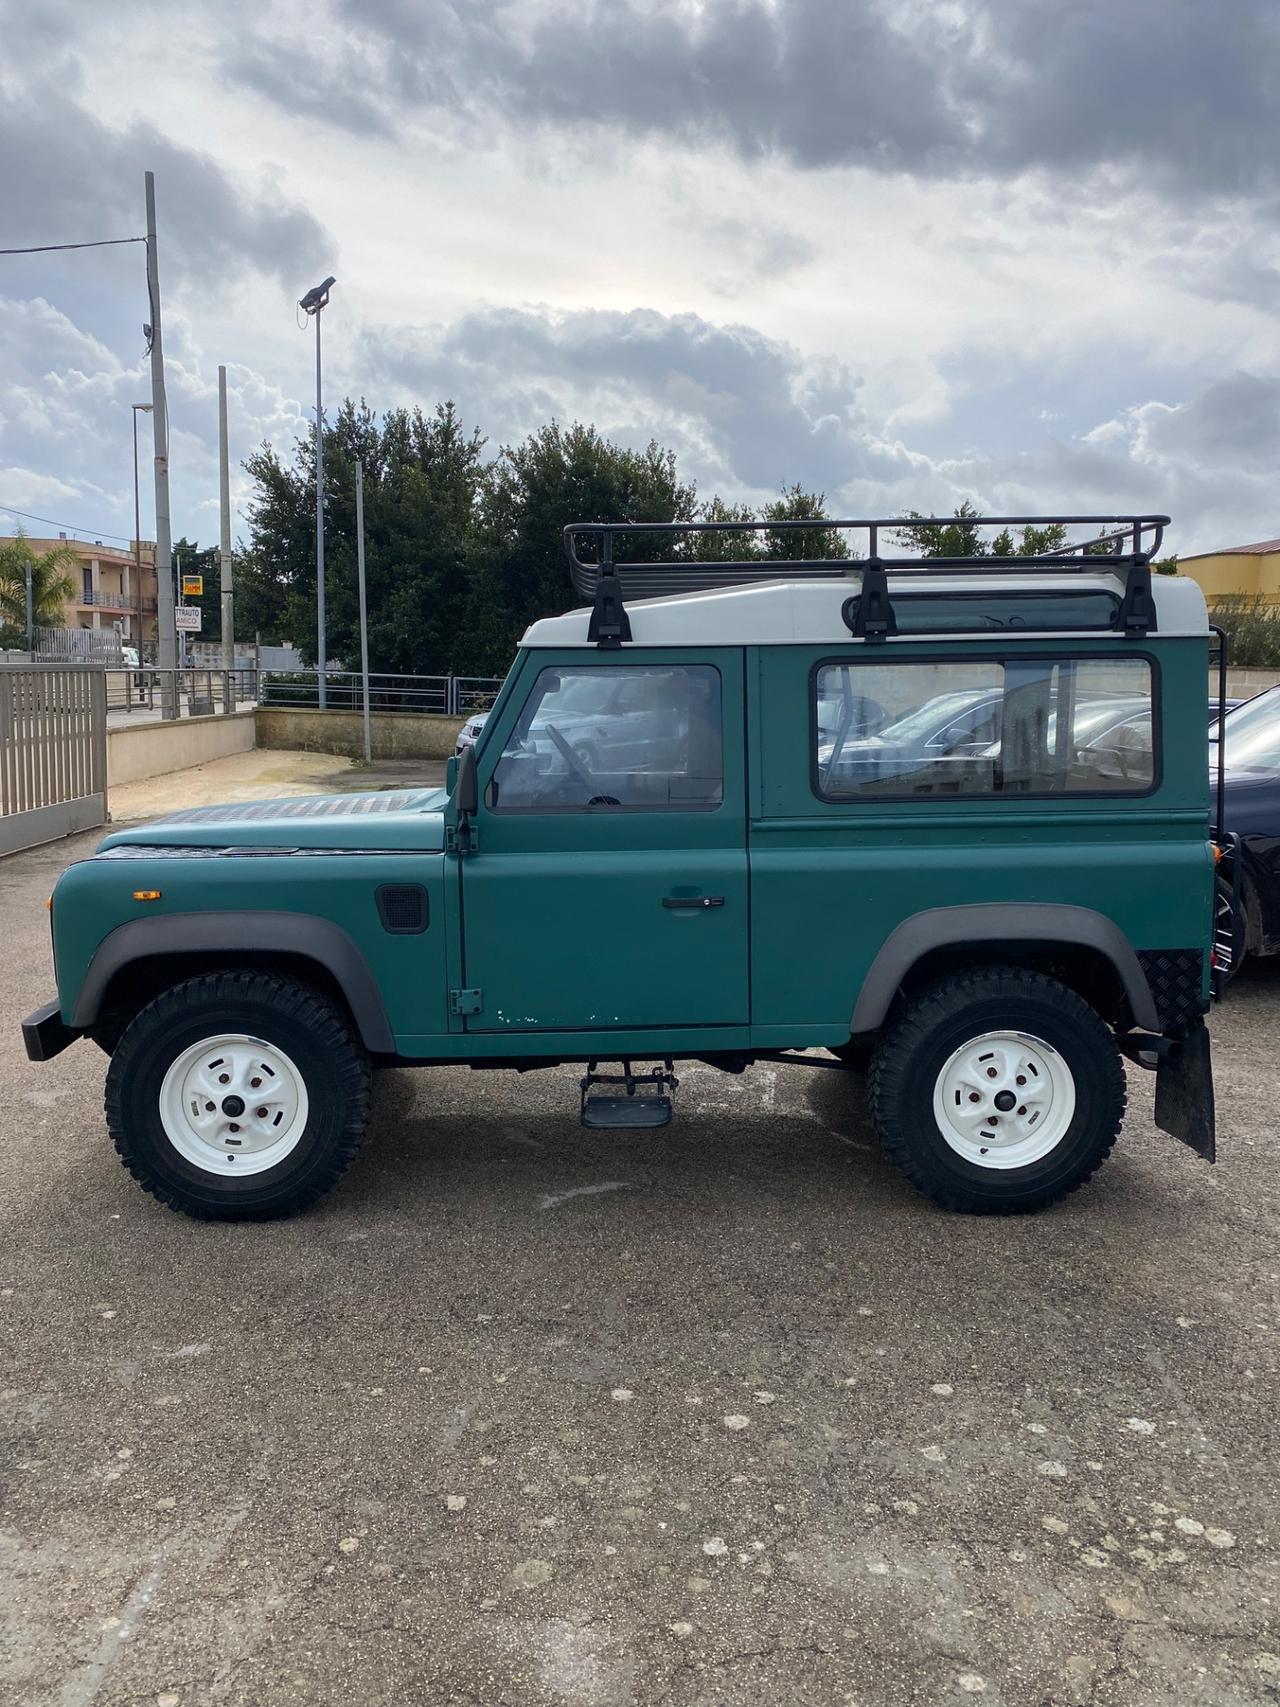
(622, 737)
(983, 727)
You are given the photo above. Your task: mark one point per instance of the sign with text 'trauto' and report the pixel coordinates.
(187, 618)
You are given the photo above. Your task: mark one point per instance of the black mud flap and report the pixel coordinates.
(1184, 1092)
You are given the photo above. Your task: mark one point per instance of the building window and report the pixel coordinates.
(982, 727)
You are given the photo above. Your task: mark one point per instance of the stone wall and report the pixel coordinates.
(395, 734)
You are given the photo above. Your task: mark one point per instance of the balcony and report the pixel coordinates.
(104, 599)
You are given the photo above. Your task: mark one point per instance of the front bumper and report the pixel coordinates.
(45, 1034)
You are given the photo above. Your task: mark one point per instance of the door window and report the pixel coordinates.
(982, 727)
(615, 738)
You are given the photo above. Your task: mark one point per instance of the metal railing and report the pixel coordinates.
(53, 752)
(146, 691)
(446, 696)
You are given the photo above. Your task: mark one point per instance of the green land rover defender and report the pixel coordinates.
(949, 816)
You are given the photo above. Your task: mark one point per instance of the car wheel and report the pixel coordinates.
(1230, 930)
(997, 1091)
(238, 1096)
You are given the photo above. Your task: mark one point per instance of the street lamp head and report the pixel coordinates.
(145, 407)
(317, 296)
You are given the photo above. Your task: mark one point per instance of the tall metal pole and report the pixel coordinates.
(137, 528)
(364, 615)
(224, 552)
(167, 633)
(320, 659)
(31, 623)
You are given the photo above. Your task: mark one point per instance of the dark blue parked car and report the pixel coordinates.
(1252, 774)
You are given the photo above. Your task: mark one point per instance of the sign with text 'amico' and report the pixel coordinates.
(187, 619)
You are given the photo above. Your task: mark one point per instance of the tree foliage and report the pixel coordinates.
(53, 582)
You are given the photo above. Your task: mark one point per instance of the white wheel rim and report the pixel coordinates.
(233, 1105)
(1004, 1100)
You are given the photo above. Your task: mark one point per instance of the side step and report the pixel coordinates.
(644, 1101)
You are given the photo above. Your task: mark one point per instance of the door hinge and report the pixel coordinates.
(460, 838)
(466, 1001)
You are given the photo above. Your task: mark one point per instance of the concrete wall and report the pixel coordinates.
(1243, 684)
(395, 734)
(151, 749)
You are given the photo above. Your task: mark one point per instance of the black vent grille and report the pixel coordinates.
(1175, 976)
(402, 907)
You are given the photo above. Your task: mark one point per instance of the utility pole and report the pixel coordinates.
(167, 633)
(316, 299)
(224, 553)
(31, 625)
(364, 615)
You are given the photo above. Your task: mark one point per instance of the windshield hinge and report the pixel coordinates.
(466, 1001)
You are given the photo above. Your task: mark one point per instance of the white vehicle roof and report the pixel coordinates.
(771, 613)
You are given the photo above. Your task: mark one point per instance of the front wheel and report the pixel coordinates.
(238, 1096)
(998, 1091)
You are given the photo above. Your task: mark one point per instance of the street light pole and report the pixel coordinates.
(312, 303)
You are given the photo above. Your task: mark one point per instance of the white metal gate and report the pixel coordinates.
(53, 752)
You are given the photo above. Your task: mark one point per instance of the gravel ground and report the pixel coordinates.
(724, 1414)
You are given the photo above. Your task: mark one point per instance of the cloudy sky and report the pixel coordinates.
(905, 251)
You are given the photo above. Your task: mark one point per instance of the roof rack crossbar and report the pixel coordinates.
(1125, 542)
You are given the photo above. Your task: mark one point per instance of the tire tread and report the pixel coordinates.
(288, 996)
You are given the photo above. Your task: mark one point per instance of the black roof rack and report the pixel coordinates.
(1127, 542)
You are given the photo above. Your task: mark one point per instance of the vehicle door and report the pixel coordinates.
(608, 886)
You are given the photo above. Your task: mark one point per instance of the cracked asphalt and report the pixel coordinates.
(722, 1414)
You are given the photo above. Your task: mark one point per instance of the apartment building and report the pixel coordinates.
(115, 588)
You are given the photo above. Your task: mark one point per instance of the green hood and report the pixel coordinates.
(397, 818)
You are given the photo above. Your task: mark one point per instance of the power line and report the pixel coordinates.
(73, 527)
(46, 248)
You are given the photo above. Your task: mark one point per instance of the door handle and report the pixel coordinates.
(697, 902)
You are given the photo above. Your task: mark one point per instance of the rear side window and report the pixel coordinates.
(983, 727)
(623, 737)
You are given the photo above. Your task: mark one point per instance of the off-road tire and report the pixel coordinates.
(281, 1012)
(912, 1054)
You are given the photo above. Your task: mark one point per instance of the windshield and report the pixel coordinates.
(929, 716)
(1253, 734)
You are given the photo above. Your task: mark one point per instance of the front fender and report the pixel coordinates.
(175, 934)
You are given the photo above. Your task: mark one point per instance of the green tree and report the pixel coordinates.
(958, 537)
(1166, 565)
(710, 547)
(53, 582)
(801, 544)
(422, 485)
(556, 476)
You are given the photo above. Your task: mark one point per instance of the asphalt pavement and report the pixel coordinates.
(719, 1414)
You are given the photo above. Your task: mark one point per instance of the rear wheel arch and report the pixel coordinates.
(1082, 948)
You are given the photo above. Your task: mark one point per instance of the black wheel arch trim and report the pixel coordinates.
(996, 922)
(302, 934)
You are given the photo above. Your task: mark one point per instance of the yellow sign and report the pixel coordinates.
(192, 586)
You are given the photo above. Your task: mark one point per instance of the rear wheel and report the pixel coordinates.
(997, 1091)
(238, 1096)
